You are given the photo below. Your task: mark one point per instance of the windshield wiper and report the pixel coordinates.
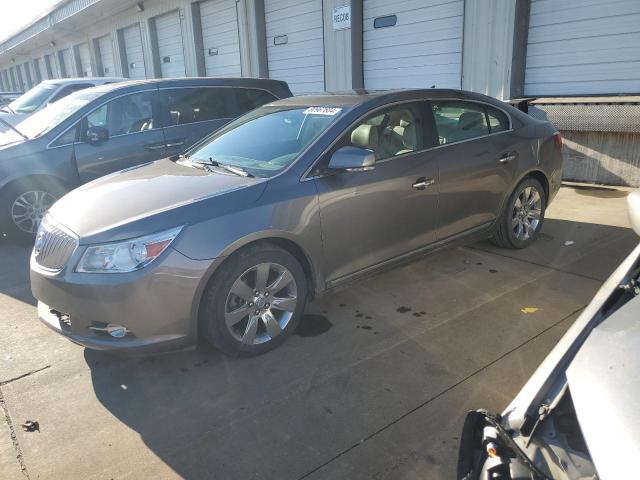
(230, 168)
(7, 108)
(13, 128)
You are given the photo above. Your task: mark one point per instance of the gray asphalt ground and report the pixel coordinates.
(374, 385)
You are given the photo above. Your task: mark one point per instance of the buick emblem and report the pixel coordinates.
(38, 245)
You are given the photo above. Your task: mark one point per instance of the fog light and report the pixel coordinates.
(116, 331)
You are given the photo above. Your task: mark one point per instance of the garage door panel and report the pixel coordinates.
(591, 72)
(170, 45)
(575, 11)
(585, 88)
(299, 61)
(423, 48)
(596, 56)
(577, 47)
(134, 52)
(585, 28)
(106, 55)
(85, 60)
(219, 24)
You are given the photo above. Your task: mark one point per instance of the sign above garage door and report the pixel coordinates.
(412, 43)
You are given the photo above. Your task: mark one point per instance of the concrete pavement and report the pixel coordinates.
(375, 384)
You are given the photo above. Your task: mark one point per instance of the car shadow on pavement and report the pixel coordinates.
(206, 415)
(14, 271)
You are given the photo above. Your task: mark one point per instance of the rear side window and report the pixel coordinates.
(249, 98)
(188, 105)
(68, 90)
(498, 120)
(457, 121)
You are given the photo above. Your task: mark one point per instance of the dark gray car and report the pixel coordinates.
(107, 128)
(231, 239)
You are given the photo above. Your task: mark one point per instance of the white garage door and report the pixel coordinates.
(37, 70)
(220, 38)
(583, 47)
(105, 46)
(134, 52)
(28, 77)
(170, 45)
(67, 61)
(85, 60)
(51, 62)
(295, 44)
(412, 43)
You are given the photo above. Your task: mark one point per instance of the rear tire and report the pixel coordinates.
(254, 302)
(24, 204)
(522, 217)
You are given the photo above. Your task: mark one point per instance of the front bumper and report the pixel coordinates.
(157, 304)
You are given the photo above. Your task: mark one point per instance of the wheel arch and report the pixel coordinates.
(280, 239)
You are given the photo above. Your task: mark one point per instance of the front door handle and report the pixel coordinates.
(508, 157)
(423, 183)
(155, 147)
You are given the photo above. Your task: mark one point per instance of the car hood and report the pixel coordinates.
(605, 387)
(145, 199)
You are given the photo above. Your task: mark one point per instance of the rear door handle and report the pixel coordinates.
(175, 143)
(508, 157)
(423, 183)
(155, 147)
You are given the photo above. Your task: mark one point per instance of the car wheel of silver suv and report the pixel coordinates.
(254, 302)
(24, 204)
(522, 217)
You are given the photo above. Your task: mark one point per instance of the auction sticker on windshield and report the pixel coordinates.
(322, 111)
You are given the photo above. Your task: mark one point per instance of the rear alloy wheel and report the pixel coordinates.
(254, 301)
(523, 216)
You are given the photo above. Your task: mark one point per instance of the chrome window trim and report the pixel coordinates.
(305, 176)
(199, 121)
(93, 110)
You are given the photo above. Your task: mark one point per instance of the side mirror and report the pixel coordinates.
(97, 134)
(633, 208)
(352, 159)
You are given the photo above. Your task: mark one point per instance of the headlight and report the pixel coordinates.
(126, 256)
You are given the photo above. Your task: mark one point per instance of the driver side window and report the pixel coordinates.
(128, 114)
(389, 133)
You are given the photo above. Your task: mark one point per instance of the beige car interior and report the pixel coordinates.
(387, 135)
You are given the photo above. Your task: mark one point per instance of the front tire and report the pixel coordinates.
(24, 204)
(523, 216)
(254, 302)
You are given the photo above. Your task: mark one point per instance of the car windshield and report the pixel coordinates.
(48, 118)
(268, 139)
(35, 97)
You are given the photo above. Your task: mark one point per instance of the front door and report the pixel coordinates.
(477, 159)
(369, 217)
(133, 136)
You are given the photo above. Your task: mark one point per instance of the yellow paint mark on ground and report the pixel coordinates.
(529, 309)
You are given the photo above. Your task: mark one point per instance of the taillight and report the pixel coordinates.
(557, 139)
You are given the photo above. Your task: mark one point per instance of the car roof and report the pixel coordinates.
(98, 80)
(352, 98)
(197, 82)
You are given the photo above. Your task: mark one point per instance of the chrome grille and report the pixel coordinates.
(53, 246)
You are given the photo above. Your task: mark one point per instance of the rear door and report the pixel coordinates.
(134, 135)
(369, 217)
(477, 158)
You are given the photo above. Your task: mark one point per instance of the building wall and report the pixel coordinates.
(509, 48)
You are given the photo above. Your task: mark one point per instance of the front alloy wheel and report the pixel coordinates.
(261, 303)
(254, 301)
